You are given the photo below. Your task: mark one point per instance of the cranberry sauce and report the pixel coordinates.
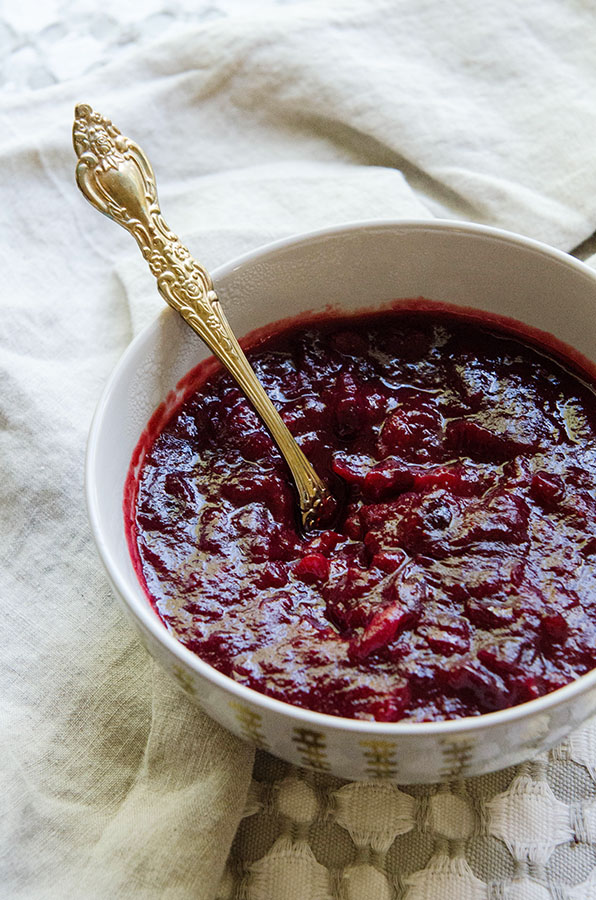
(461, 577)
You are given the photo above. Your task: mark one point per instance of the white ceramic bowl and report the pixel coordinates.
(352, 267)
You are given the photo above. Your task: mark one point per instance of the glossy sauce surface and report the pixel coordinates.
(461, 576)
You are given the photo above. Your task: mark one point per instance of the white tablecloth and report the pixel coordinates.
(261, 121)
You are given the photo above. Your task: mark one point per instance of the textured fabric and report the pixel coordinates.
(520, 834)
(113, 784)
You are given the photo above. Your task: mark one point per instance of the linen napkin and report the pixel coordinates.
(113, 784)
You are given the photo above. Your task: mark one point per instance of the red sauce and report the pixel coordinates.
(461, 575)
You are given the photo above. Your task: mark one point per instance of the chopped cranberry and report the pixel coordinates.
(391, 476)
(262, 487)
(589, 547)
(176, 484)
(390, 708)
(554, 629)
(353, 526)
(410, 432)
(272, 575)
(388, 561)
(488, 689)
(312, 568)
(489, 615)
(468, 438)
(547, 488)
(349, 406)
(257, 444)
(352, 469)
(447, 643)
(354, 597)
(443, 477)
(420, 524)
(525, 688)
(500, 516)
(324, 542)
(383, 628)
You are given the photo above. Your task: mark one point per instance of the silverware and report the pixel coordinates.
(118, 180)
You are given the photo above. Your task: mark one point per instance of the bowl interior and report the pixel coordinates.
(351, 268)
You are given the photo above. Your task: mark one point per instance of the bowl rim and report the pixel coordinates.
(138, 603)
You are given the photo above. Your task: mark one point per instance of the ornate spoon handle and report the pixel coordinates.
(118, 180)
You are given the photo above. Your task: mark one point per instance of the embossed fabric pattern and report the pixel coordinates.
(520, 834)
(261, 120)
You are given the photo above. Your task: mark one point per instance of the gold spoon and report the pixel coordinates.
(117, 179)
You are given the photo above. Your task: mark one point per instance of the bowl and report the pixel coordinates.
(353, 267)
